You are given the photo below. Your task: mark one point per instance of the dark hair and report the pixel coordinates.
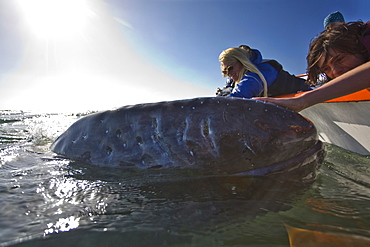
(346, 38)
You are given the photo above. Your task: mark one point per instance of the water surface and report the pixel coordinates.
(46, 200)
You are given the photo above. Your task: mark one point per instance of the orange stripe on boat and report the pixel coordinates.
(362, 95)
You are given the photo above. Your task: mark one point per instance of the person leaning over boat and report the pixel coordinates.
(333, 20)
(339, 58)
(250, 75)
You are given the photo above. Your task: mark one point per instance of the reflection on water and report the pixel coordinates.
(63, 225)
(49, 201)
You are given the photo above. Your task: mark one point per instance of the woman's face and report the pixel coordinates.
(334, 63)
(232, 70)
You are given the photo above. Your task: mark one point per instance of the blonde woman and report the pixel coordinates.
(251, 76)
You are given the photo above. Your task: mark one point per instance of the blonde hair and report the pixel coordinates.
(242, 54)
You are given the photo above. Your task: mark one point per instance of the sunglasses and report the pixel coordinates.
(228, 70)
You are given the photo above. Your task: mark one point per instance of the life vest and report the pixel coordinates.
(285, 83)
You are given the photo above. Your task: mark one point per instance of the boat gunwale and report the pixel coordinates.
(362, 95)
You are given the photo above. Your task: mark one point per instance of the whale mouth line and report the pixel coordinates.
(302, 159)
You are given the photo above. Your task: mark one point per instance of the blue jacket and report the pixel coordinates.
(251, 84)
(279, 81)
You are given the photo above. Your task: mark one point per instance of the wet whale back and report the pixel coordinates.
(228, 134)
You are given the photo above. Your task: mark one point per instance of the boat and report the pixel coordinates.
(343, 121)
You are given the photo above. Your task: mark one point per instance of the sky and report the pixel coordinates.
(79, 55)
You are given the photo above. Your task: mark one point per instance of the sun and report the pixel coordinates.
(54, 18)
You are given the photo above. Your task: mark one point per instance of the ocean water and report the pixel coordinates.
(46, 200)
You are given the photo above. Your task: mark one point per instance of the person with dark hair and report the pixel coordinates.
(340, 59)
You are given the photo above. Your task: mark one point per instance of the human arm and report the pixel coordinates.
(227, 89)
(350, 82)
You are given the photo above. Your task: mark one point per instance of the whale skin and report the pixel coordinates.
(219, 134)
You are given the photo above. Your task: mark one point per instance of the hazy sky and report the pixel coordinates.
(73, 55)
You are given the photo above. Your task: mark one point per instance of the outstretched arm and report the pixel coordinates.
(350, 82)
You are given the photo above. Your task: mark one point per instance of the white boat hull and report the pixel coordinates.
(345, 124)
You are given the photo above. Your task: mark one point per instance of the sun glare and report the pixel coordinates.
(77, 57)
(51, 18)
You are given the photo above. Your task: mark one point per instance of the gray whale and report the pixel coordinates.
(224, 135)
